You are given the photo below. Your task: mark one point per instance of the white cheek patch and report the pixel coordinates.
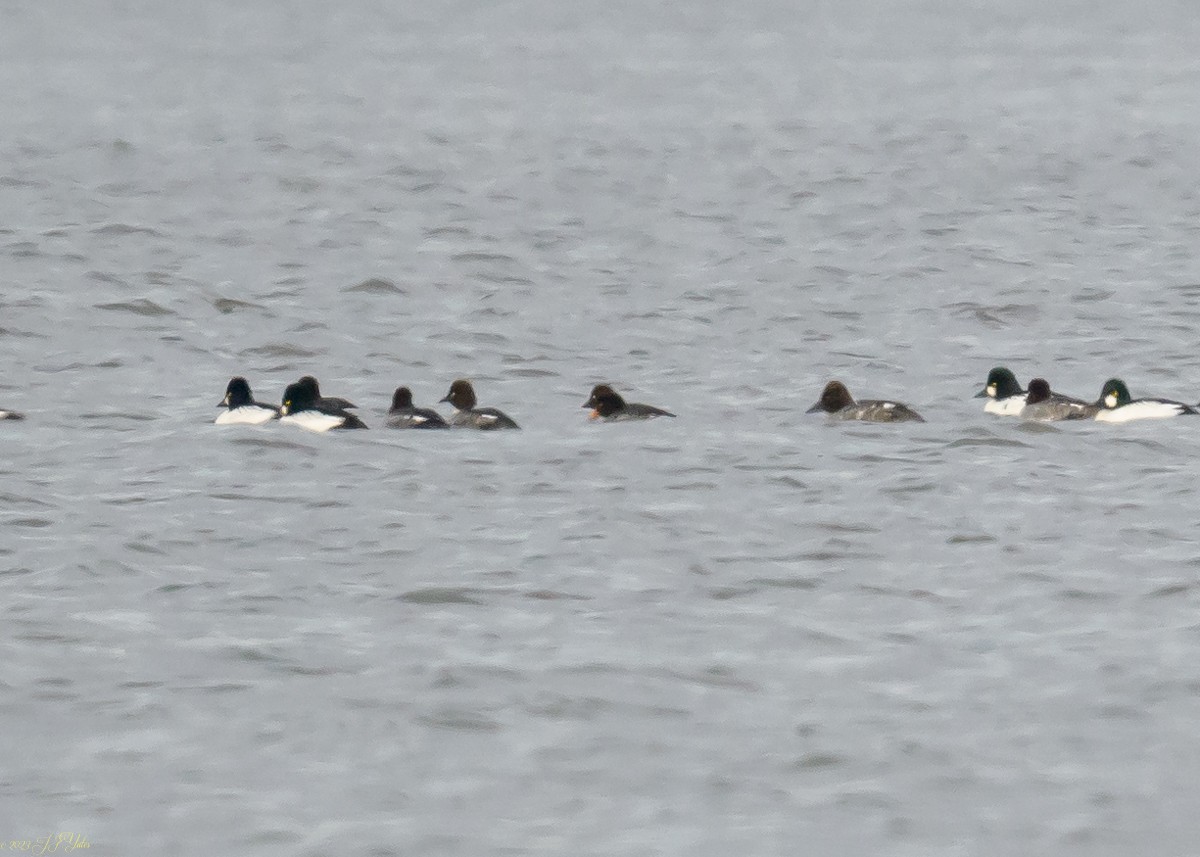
(1110, 401)
(991, 390)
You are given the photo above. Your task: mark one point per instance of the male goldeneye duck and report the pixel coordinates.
(1115, 405)
(607, 404)
(10, 415)
(325, 401)
(240, 406)
(1005, 396)
(466, 415)
(1041, 404)
(403, 415)
(837, 402)
(302, 407)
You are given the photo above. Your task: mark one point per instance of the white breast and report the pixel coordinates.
(1010, 407)
(313, 420)
(1146, 409)
(247, 414)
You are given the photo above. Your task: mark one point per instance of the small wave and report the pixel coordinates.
(1170, 590)
(272, 443)
(785, 582)
(986, 441)
(32, 523)
(375, 286)
(965, 539)
(119, 417)
(24, 250)
(279, 349)
(554, 595)
(460, 721)
(817, 761)
(441, 595)
(125, 229)
(13, 181)
(226, 306)
(141, 306)
(715, 676)
(476, 256)
(447, 232)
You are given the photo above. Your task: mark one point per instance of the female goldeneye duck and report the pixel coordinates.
(10, 415)
(325, 401)
(1005, 396)
(311, 412)
(240, 406)
(466, 415)
(607, 404)
(1043, 405)
(403, 415)
(837, 401)
(1116, 406)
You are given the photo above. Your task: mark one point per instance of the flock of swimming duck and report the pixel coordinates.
(1006, 398)
(303, 405)
(1115, 405)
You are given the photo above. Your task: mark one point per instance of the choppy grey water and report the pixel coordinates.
(741, 631)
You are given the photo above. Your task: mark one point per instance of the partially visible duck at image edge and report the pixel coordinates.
(10, 415)
(607, 405)
(838, 403)
(466, 415)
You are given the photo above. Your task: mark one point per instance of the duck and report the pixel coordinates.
(837, 402)
(10, 415)
(240, 406)
(1004, 395)
(303, 407)
(607, 405)
(1043, 405)
(326, 401)
(1116, 406)
(403, 415)
(466, 415)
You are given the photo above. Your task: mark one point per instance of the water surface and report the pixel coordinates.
(741, 631)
